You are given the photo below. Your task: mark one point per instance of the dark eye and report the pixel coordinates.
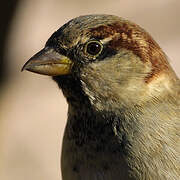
(94, 48)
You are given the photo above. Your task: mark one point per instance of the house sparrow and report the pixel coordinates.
(123, 96)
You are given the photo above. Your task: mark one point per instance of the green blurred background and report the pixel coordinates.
(32, 109)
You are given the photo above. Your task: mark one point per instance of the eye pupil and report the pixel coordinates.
(93, 48)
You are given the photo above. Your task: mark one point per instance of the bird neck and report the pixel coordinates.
(107, 131)
(137, 132)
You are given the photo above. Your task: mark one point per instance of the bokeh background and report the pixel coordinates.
(32, 108)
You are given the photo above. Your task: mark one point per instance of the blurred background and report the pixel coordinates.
(32, 108)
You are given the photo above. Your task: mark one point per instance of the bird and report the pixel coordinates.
(123, 100)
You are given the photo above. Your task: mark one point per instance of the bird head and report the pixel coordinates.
(104, 60)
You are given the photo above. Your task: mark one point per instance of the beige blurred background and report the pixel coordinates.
(32, 108)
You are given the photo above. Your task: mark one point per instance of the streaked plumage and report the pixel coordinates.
(124, 100)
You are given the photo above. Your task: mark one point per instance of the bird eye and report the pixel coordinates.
(94, 48)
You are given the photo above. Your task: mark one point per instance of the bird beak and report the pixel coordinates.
(48, 62)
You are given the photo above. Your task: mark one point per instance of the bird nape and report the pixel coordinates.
(123, 96)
